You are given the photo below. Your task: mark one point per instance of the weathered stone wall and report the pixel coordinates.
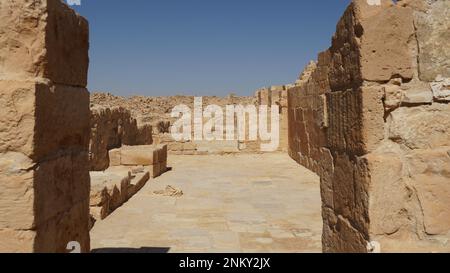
(111, 128)
(44, 127)
(372, 118)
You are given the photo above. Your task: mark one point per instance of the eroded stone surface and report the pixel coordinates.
(44, 127)
(421, 127)
(441, 89)
(383, 114)
(43, 39)
(40, 118)
(433, 36)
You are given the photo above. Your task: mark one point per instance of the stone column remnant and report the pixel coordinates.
(44, 127)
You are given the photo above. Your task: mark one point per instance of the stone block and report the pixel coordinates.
(371, 43)
(344, 68)
(16, 192)
(62, 119)
(38, 39)
(418, 96)
(393, 96)
(385, 49)
(421, 127)
(388, 213)
(17, 241)
(350, 187)
(40, 119)
(432, 33)
(372, 117)
(114, 157)
(34, 193)
(434, 194)
(139, 155)
(71, 225)
(326, 178)
(162, 153)
(113, 187)
(59, 184)
(264, 97)
(339, 236)
(430, 176)
(430, 161)
(355, 120)
(441, 89)
(155, 170)
(163, 167)
(18, 116)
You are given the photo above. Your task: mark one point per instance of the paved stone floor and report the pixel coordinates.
(233, 203)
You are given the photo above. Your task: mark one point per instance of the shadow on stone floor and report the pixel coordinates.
(132, 250)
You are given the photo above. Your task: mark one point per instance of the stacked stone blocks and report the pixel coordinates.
(44, 127)
(371, 118)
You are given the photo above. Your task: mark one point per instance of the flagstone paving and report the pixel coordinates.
(231, 203)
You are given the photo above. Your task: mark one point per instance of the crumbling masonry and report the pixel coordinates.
(372, 118)
(44, 127)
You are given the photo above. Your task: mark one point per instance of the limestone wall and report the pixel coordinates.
(111, 128)
(372, 118)
(44, 127)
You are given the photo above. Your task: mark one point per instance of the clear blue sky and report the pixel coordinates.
(204, 47)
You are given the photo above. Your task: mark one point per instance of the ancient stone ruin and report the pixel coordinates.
(44, 135)
(371, 117)
(155, 113)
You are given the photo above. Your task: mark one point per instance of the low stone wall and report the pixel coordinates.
(112, 188)
(153, 157)
(111, 128)
(372, 118)
(130, 169)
